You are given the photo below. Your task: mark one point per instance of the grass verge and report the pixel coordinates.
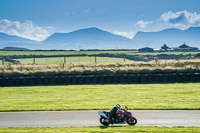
(103, 65)
(88, 97)
(128, 129)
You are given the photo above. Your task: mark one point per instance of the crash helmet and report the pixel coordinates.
(118, 106)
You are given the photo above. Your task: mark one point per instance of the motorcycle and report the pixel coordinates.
(123, 116)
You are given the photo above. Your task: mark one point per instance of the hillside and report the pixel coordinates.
(6, 39)
(90, 38)
(16, 49)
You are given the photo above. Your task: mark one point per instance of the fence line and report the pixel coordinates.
(11, 58)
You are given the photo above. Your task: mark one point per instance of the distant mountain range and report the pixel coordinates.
(90, 38)
(94, 38)
(14, 41)
(172, 37)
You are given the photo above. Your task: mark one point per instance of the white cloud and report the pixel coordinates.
(143, 24)
(181, 19)
(129, 35)
(26, 29)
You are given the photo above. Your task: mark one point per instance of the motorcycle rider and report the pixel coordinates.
(117, 116)
(113, 113)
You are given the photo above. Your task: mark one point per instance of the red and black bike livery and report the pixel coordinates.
(123, 116)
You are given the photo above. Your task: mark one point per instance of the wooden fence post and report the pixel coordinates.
(34, 60)
(64, 59)
(2, 61)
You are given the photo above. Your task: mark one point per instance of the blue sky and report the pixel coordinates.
(37, 19)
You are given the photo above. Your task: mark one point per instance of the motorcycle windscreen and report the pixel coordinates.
(102, 113)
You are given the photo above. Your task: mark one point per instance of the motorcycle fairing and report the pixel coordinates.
(103, 114)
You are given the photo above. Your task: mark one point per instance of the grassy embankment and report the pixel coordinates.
(104, 68)
(81, 97)
(128, 129)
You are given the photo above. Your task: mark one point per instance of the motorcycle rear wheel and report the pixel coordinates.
(132, 121)
(104, 121)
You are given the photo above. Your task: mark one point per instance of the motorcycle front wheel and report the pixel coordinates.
(132, 121)
(104, 121)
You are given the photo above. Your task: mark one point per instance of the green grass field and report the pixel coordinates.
(128, 129)
(84, 52)
(74, 60)
(81, 97)
(62, 52)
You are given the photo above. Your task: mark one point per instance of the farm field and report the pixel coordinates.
(126, 129)
(62, 52)
(5, 53)
(95, 97)
(74, 60)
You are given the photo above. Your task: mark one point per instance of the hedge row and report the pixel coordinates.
(100, 79)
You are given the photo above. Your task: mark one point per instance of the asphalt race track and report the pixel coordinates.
(167, 118)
